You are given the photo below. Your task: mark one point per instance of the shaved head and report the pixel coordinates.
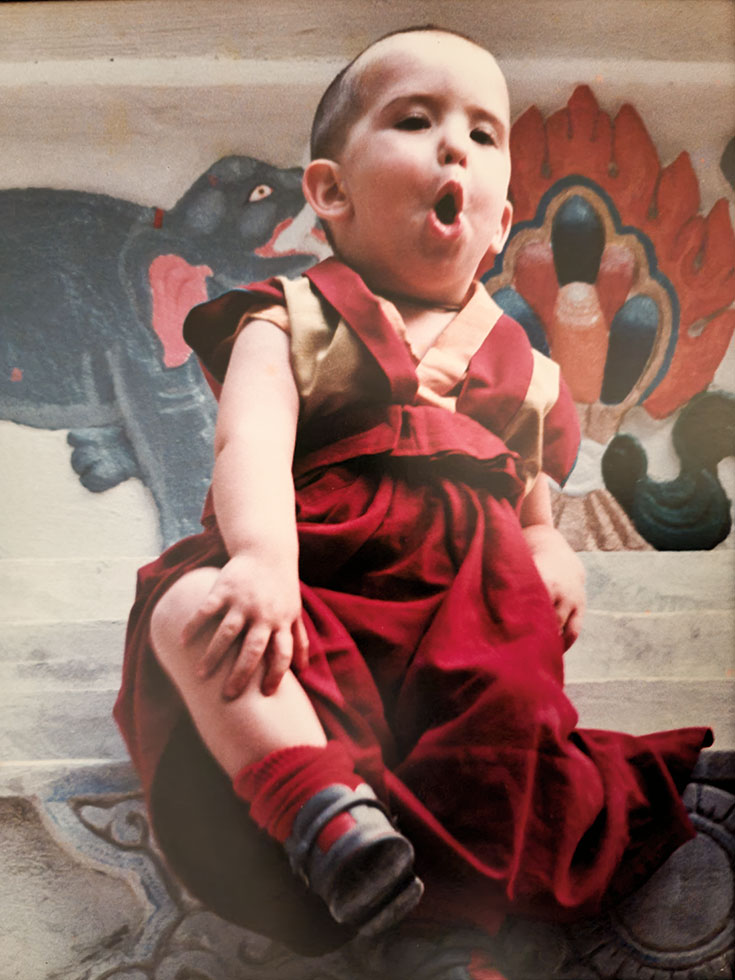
(343, 101)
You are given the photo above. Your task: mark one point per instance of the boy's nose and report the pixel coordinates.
(454, 156)
(452, 149)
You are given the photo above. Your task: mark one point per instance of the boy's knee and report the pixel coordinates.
(173, 612)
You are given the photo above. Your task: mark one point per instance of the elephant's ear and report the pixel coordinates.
(176, 287)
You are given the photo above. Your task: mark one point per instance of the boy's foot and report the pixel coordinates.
(365, 875)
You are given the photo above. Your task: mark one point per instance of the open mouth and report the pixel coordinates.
(448, 206)
(446, 209)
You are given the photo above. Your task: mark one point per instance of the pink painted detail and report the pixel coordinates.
(16, 374)
(534, 277)
(615, 278)
(270, 250)
(578, 337)
(176, 286)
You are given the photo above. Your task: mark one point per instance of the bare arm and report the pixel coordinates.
(256, 596)
(560, 568)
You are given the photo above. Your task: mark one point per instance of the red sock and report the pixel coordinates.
(279, 785)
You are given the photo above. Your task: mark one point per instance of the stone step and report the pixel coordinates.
(58, 682)
(656, 652)
(688, 644)
(641, 705)
(74, 725)
(665, 581)
(61, 708)
(77, 723)
(60, 589)
(303, 33)
(43, 589)
(39, 651)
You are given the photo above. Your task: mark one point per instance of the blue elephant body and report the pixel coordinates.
(77, 343)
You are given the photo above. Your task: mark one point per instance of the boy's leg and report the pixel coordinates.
(248, 728)
(223, 858)
(302, 789)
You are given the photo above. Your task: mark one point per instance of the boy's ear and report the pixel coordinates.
(324, 190)
(498, 242)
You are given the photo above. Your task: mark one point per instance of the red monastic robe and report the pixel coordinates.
(435, 655)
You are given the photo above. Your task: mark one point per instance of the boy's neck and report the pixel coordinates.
(423, 318)
(445, 295)
(407, 304)
(420, 323)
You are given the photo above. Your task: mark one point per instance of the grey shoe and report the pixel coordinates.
(366, 877)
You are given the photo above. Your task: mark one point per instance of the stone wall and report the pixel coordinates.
(135, 99)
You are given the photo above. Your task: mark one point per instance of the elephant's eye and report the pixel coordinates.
(260, 192)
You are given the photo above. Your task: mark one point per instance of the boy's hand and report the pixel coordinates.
(563, 575)
(258, 604)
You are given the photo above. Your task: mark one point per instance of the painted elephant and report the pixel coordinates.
(94, 291)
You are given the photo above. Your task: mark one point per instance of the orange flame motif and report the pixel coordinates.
(657, 205)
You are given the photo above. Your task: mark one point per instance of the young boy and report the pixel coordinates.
(371, 625)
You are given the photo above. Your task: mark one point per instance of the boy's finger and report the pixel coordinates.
(300, 645)
(202, 617)
(572, 628)
(225, 636)
(252, 649)
(280, 653)
(562, 610)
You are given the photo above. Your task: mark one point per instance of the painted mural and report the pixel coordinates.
(610, 267)
(95, 290)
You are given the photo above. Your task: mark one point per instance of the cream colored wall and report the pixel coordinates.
(111, 91)
(135, 98)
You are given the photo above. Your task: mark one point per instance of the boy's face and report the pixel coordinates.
(425, 168)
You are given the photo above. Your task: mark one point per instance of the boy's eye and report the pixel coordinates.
(412, 123)
(483, 136)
